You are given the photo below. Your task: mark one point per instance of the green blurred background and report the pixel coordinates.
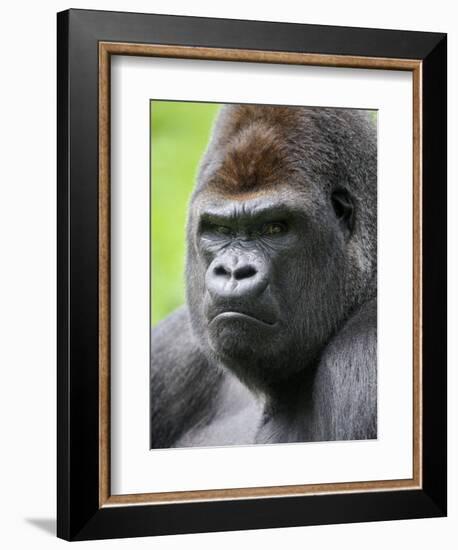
(179, 136)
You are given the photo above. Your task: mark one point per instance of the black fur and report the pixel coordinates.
(277, 342)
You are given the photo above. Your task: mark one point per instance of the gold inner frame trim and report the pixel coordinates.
(106, 50)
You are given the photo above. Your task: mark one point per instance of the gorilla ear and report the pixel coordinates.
(343, 207)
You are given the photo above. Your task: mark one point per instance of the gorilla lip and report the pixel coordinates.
(241, 315)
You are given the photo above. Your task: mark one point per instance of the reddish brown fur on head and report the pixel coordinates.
(255, 150)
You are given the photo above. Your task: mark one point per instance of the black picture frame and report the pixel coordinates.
(80, 516)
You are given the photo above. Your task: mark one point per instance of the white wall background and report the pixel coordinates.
(27, 271)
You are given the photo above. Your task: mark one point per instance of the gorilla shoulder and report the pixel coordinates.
(345, 386)
(340, 402)
(193, 402)
(182, 382)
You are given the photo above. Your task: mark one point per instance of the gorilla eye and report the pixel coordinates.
(343, 206)
(222, 230)
(273, 228)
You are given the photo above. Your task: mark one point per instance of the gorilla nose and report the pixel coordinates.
(236, 277)
(239, 273)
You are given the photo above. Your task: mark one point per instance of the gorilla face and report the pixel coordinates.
(269, 247)
(247, 248)
(268, 271)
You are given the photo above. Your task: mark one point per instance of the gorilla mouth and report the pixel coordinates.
(238, 315)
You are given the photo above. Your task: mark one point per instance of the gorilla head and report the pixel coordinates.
(281, 237)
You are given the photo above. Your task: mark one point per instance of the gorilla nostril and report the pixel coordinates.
(245, 272)
(220, 270)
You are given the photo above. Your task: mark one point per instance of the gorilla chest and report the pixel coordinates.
(237, 428)
(237, 418)
(234, 419)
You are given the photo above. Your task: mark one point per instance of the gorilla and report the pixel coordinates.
(277, 340)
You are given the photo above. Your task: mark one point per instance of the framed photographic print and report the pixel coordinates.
(252, 274)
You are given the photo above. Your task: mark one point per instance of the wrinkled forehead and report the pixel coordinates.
(278, 202)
